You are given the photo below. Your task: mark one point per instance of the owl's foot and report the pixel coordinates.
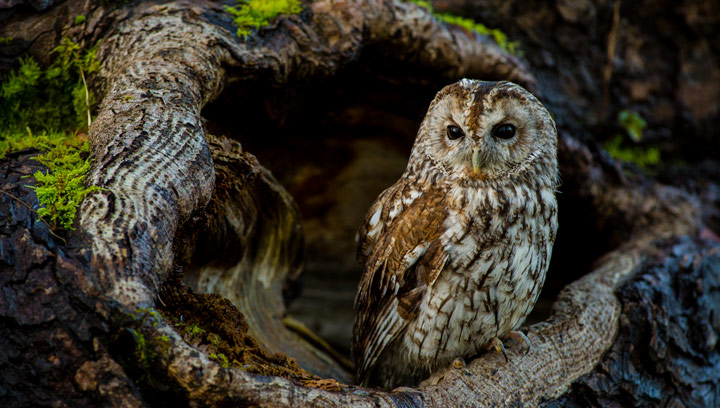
(497, 345)
(519, 337)
(459, 363)
(513, 335)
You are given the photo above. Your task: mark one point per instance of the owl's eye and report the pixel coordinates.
(454, 132)
(504, 131)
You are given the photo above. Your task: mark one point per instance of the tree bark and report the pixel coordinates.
(78, 312)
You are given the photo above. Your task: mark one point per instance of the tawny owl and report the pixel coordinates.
(455, 252)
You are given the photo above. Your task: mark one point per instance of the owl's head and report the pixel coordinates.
(477, 130)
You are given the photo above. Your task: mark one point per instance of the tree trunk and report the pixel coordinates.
(102, 315)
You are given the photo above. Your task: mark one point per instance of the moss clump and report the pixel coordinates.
(62, 187)
(500, 38)
(146, 351)
(193, 330)
(253, 14)
(79, 19)
(643, 157)
(5, 40)
(55, 99)
(220, 358)
(47, 109)
(144, 354)
(42, 141)
(213, 325)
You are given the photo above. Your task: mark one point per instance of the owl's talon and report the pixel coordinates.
(498, 346)
(519, 336)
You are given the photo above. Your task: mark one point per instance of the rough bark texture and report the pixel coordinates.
(52, 330)
(664, 354)
(77, 312)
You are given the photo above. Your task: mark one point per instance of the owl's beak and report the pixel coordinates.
(476, 160)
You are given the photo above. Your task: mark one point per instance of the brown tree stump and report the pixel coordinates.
(102, 315)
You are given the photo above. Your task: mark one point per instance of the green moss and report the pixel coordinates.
(43, 141)
(144, 354)
(194, 330)
(500, 38)
(422, 3)
(52, 99)
(162, 343)
(5, 40)
(221, 358)
(253, 14)
(645, 158)
(46, 109)
(190, 329)
(61, 188)
(632, 123)
(79, 19)
(146, 350)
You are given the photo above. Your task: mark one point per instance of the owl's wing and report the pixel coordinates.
(382, 212)
(403, 262)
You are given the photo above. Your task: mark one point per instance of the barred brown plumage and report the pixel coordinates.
(455, 252)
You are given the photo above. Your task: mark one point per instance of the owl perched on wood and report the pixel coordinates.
(455, 252)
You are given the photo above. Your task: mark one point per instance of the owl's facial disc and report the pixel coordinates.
(484, 131)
